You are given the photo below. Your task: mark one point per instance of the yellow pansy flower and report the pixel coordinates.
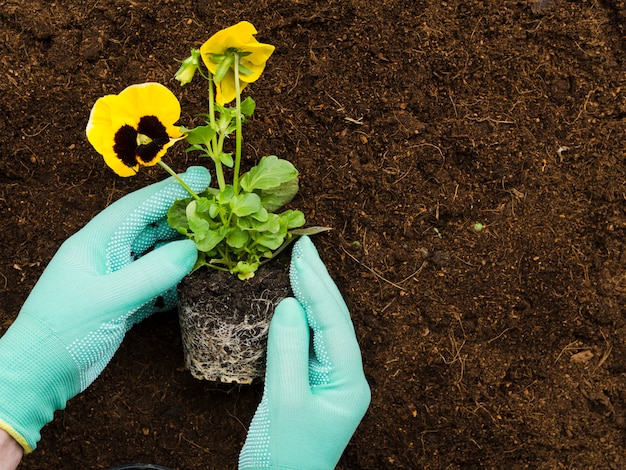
(134, 128)
(253, 56)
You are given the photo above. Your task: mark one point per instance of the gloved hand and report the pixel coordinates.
(314, 398)
(94, 290)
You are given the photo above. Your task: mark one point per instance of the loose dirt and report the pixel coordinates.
(411, 121)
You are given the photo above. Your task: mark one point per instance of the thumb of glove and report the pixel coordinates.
(287, 374)
(150, 275)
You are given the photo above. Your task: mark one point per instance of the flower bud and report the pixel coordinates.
(188, 68)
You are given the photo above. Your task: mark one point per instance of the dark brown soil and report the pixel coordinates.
(410, 121)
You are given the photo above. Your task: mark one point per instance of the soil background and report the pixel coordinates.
(410, 122)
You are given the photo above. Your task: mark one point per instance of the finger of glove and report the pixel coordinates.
(154, 200)
(150, 276)
(287, 376)
(116, 228)
(152, 208)
(335, 344)
(162, 303)
(151, 235)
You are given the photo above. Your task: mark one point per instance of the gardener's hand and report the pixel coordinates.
(314, 397)
(95, 288)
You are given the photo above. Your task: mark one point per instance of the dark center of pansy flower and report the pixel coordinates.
(141, 145)
(151, 127)
(126, 145)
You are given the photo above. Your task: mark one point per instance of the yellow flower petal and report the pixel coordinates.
(134, 128)
(239, 37)
(232, 37)
(225, 90)
(150, 99)
(100, 124)
(260, 53)
(120, 168)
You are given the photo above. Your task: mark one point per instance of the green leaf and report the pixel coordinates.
(270, 241)
(224, 196)
(223, 67)
(275, 198)
(248, 106)
(202, 204)
(208, 240)
(245, 270)
(245, 204)
(251, 224)
(293, 219)
(227, 159)
(272, 225)
(261, 215)
(214, 210)
(225, 124)
(226, 113)
(237, 238)
(177, 217)
(197, 223)
(200, 135)
(310, 230)
(270, 173)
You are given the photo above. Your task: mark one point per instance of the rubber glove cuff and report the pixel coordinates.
(47, 386)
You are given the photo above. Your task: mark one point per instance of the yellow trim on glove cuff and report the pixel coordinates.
(15, 435)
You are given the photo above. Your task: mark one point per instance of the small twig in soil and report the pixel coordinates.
(480, 406)
(354, 121)
(396, 285)
(236, 419)
(411, 276)
(560, 150)
(36, 133)
(455, 352)
(204, 449)
(428, 144)
(489, 119)
(388, 305)
(372, 271)
(570, 347)
(341, 107)
(498, 336)
(583, 108)
(605, 355)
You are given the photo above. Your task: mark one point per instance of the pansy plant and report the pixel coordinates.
(236, 226)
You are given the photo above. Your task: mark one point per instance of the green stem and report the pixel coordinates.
(219, 268)
(237, 126)
(215, 148)
(219, 172)
(164, 165)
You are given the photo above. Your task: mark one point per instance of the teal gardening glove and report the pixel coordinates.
(314, 398)
(97, 286)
